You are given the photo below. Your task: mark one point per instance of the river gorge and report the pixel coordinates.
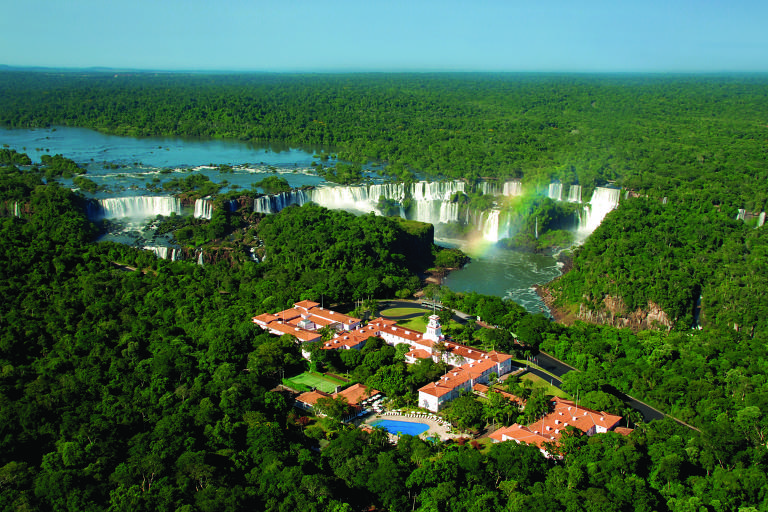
(131, 172)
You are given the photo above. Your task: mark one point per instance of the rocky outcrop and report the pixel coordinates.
(613, 312)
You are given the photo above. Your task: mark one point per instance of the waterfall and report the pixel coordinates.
(491, 226)
(200, 258)
(275, 203)
(435, 190)
(513, 188)
(603, 201)
(742, 213)
(160, 252)
(16, 209)
(135, 207)
(489, 188)
(555, 191)
(203, 208)
(449, 212)
(536, 229)
(761, 219)
(430, 199)
(574, 194)
(344, 198)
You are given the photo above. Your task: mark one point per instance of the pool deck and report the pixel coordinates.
(436, 427)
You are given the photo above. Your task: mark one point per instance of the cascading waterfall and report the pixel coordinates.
(275, 203)
(203, 208)
(489, 188)
(431, 203)
(164, 253)
(574, 194)
(449, 212)
(134, 207)
(431, 200)
(491, 226)
(513, 188)
(555, 191)
(603, 201)
(761, 219)
(16, 209)
(435, 190)
(343, 198)
(742, 213)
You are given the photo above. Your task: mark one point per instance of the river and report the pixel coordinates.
(143, 164)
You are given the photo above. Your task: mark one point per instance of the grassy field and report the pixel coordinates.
(396, 313)
(548, 388)
(401, 315)
(316, 380)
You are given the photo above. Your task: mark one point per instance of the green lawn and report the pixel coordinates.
(396, 313)
(400, 315)
(548, 388)
(317, 380)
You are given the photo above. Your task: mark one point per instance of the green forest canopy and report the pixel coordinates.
(126, 390)
(660, 135)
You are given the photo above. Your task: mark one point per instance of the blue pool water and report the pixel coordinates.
(401, 427)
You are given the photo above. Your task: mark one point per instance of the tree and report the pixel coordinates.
(530, 329)
(466, 412)
(499, 408)
(335, 408)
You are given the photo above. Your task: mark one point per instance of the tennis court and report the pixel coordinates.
(317, 380)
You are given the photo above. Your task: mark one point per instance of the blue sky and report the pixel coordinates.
(446, 35)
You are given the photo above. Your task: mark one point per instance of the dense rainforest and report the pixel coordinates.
(658, 135)
(150, 389)
(135, 383)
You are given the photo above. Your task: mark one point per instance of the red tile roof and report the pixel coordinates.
(311, 397)
(458, 376)
(298, 332)
(356, 393)
(567, 413)
(418, 354)
(306, 304)
(346, 340)
(333, 316)
(522, 434)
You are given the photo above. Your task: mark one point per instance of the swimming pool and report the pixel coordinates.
(401, 427)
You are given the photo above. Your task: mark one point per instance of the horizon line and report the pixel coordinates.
(202, 71)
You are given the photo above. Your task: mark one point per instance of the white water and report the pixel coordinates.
(165, 253)
(574, 194)
(513, 188)
(555, 191)
(275, 203)
(135, 207)
(761, 219)
(603, 201)
(203, 208)
(491, 226)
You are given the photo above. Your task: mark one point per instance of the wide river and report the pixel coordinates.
(144, 163)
